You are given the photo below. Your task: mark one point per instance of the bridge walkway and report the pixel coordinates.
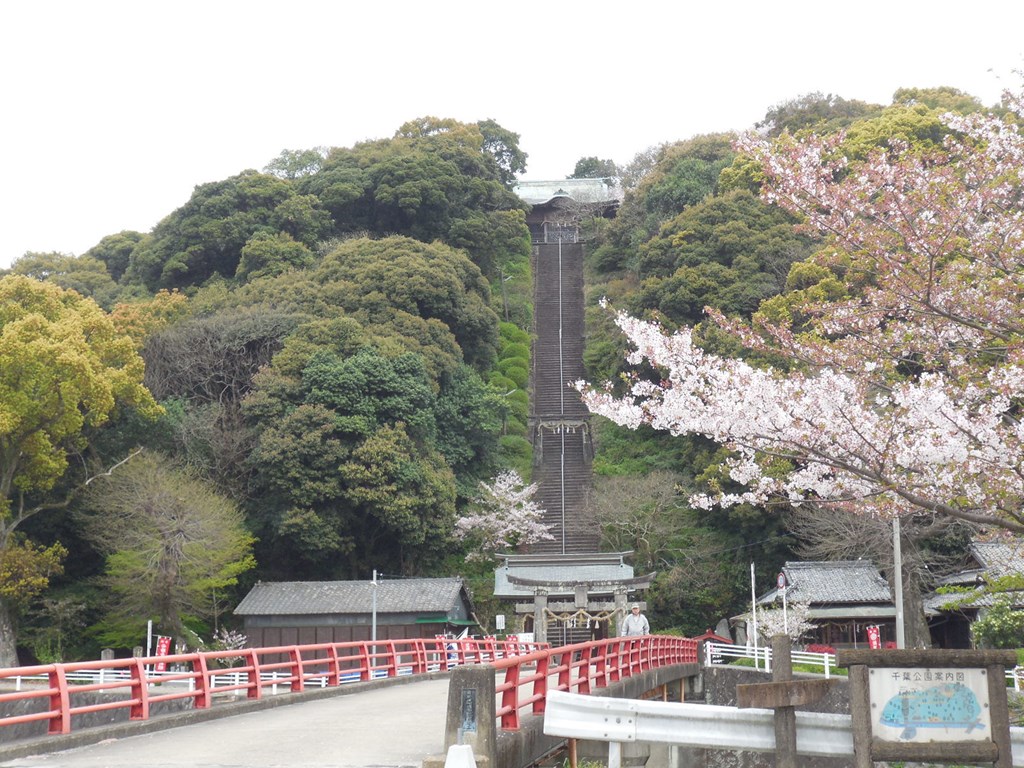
(385, 727)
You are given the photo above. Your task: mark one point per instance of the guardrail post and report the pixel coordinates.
(601, 666)
(419, 656)
(472, 715)
(202, 682)
(368, 661)
(333, 666)
(510, 698)
(140, 692)
(298, 671)
(392, 656)
(540, 685)
(254, 689)
(583, 676)
(60, 701)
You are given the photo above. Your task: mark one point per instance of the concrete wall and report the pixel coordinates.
(525, 746)
(38, 728)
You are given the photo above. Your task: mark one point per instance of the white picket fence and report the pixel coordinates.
(224, 679)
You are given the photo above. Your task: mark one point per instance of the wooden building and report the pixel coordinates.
(950, 615)
(557, 207)
(303, 612)
(844, 597)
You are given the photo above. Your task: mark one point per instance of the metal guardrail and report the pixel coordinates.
(621, 721)
(718, 653)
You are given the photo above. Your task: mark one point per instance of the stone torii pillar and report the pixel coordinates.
(540, 621)
(620, 609)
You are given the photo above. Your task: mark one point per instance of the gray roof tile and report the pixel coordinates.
(840, 581)
(995, 559)
(559, 569)
(339, 597)
(999, 558)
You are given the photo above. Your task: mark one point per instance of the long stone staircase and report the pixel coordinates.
(559, 422)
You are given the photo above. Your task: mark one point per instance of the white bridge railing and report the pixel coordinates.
(623, 721)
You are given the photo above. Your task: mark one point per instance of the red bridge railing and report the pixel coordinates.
(581, 668)
(137, 686)
(530, 671)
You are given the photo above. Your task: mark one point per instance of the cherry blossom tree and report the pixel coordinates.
(902, 393)
(505, 518)
(793, 621)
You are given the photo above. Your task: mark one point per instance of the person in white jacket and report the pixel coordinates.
(635, 623)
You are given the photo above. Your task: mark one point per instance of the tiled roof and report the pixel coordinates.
(840, 581)
(978, 598)
(995, 559)
(579, 190)
(999, 558)
(559, 569)
(340, 597)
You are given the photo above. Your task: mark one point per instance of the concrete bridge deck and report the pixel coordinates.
(395, 722)
(384, 727)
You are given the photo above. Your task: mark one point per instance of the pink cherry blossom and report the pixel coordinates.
(505, 517)
(906, 395)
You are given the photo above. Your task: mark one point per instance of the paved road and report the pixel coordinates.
(408, 723)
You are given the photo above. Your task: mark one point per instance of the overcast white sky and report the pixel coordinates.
(112, 112)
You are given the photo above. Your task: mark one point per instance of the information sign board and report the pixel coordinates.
(929, 704)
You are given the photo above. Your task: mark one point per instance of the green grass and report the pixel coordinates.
(814, 669)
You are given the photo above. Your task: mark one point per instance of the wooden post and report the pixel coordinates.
(785, 717)
(860, 716)
(784, 695)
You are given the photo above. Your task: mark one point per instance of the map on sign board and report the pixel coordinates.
(927, 705)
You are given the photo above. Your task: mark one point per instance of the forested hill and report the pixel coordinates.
(337, 352)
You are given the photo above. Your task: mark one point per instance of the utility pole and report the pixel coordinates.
(897, 564)
(373, 617)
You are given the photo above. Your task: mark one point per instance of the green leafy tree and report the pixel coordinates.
(684, 174)
(25, 572)
(942, 99)
(817, 112)
(84, 274)
(404, 497)
(296, 163)
(436, 179)
(115, 251)
(469, 417)
(357, 465)
(205, 237)
(374, 278)
(171, 541)
(64, 369)
(595, 168)
(1001, 626)
(503, 146)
